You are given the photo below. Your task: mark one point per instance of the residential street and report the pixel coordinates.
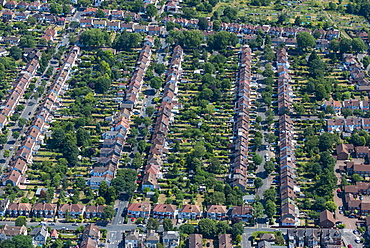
(31, 106)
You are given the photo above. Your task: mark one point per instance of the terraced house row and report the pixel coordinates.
(113, 141)
(352, 104)
(165, 117)
(239, 167)
(285, 91)
(50, 210)
(288, 185)
(40, 124)
(193, 212)
(20, 86)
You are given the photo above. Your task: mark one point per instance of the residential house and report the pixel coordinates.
(8, 232)
(11, 40)
(225, 241)
(327, 219)
(94, 211)
(99, 24)
(137, 210)
(22, 5)
(360, 169)
(195, 241)
(11, 4)
(352, 104)
(44, 210)
(344, 151)
(91, 231)
(39, 235)
(171, 239)
(161, 211)
(74, 210)
(19, 209)
(133, 239)
(54, 234)
(216, 212)
(113, 25)
(243, 213)
(13, 178)
(86, 23)
(190, 212)
(333, 104)
(360, 188)
(331, 238)
(4, 206)
(332, 34)
(89, 243)
(34, 6)
(362, 152)
(7, 15)
(151, 239)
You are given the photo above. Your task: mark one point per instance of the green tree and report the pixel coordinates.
(345, 45)
(203, 23)
(257, 159)
(258, 182)
(22, 241)
(15, 134)
(127, 41)
(21, 221)
(187, 229)
(149, 111)
(159, 68)
(80, 183)
(257, 210)
(216, 25)
(193, 39)
(103, 189)
(167, 224)
(152, 224)
(326, 141)
(102, 84)
(94, 38)
(334, 45)
(305, 40)
(207, 228)
(356, 178)
(56, 8)
(270, 194)
(270, 208)
(22, 122)
(222, 227)
(83, 137)
(100, 201)
(109, 212)
(15, 52)
(100, 13)
(237, 229)
(269, 167)
(331, 206)
(156, 83)
(358, 45)
(151, 10)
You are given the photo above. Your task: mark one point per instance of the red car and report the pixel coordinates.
(349, 246)
(132, 219)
